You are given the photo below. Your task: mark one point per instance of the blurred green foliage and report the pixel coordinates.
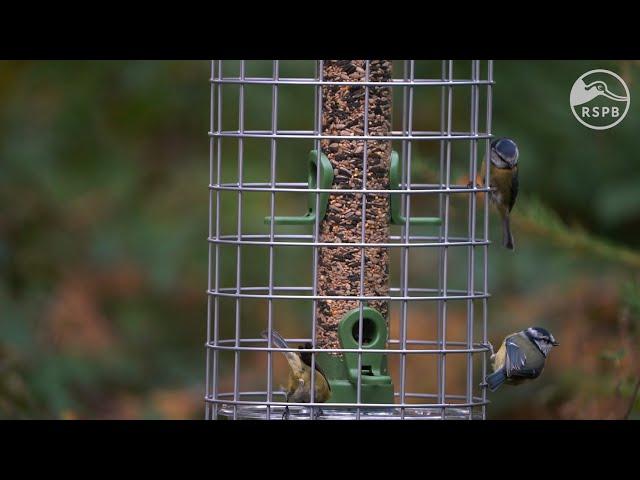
(103, 254)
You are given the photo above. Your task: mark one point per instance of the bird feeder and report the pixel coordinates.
(357, 219)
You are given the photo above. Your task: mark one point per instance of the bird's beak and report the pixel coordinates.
(555, 343)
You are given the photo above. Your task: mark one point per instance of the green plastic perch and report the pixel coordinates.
(326, 180)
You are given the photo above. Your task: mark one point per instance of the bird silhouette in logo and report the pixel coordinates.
(583, 93)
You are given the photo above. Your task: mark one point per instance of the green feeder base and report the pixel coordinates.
(342, 372)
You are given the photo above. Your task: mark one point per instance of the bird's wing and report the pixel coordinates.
(516, 361)
(326, 380)
(515, 184)
(306, 359)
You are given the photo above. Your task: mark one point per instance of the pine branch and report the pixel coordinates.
(534, 218)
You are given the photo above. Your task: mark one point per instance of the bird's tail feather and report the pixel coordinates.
(507, 237)
(293, 358)
(496, 379)
(278, 341)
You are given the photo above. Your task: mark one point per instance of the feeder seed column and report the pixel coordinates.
(339, 267)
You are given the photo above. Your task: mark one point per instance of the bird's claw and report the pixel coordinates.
(490, 345)
(285, 415)
(317, 413)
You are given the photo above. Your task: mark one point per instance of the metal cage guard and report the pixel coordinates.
(452, 386)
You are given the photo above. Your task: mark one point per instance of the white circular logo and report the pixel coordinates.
(599, 99)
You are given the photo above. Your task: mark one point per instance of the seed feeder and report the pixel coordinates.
(360, 227)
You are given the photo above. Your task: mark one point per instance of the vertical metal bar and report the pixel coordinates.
(441, 212)
(209, 356)
(363, 250)
(236, 362)
(486, 234)
(472, 232)
(317, 125)
(406, 236)
(403, 182)
(443, 334)
(216, 286)
(272, 209)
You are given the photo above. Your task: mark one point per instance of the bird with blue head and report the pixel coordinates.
(521, 357)
(504, 182)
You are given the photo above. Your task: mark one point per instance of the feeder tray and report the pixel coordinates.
(259, 412)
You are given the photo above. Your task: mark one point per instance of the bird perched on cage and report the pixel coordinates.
(299, 387)
(521, 357)
(504, 182)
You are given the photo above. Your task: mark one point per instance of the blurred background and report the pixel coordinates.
(104, 218)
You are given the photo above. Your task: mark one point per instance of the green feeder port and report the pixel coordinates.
(326, 179)
(396, 207)
(342, 372)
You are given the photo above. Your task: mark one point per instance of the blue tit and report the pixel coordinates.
(521, 357)
(299, 387)
(504, 182)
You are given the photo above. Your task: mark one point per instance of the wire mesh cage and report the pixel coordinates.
(344, 214)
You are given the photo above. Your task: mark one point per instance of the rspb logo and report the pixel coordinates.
(599, 99)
